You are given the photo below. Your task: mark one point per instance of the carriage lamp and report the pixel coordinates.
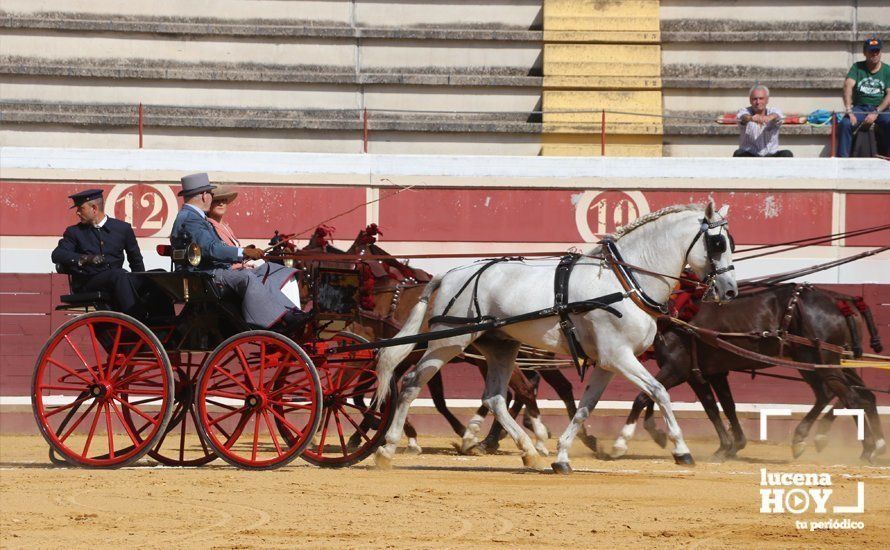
(288, 262)
(193, 254)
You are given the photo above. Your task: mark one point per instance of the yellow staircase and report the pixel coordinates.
(602, 55)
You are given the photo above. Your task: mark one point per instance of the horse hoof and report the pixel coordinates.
(660, 438)
(617, 452)
(531, 461)
(413, 449)
(381, 461)
(685, 459)
(821, 442)
(719, 456)
(561, 468)
(797, 449)
(542, 450)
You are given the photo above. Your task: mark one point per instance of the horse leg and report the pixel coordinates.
(599, 379)
(413, 448)
(493, 440)
(630, 367)
(619, 448)
(871, 410)
(798, 442)
(853, 400)
(705, 396)
(524, 391)
(823, 426)
(437, 392)
(563, 388)
(470, 438)
(720, 383)
(501, 358)
(412, 383)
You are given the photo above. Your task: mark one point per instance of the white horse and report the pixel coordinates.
(662, 242)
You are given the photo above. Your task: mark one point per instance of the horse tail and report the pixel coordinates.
(390, 358)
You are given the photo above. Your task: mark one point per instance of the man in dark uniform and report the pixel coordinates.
(92, 252)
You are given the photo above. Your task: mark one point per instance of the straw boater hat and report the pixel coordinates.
(224, 192)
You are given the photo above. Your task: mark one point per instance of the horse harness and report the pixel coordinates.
(562, 308)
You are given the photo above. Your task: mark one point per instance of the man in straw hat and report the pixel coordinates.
(261, 305)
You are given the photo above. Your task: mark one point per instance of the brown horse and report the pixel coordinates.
(804, 311)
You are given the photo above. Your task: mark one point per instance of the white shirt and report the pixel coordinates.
(758, 139)
(100, 224)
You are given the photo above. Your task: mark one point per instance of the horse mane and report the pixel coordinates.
(625, 229)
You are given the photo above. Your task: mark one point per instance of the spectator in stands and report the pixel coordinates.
(92, 252)
(866, 98)
(759, 125)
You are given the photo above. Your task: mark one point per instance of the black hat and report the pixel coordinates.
(872, 44)
(85, 196)
(194, 184)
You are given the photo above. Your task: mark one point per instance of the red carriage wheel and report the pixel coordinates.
(351, 427)
(250, 387)
(92, 369)
(182, 444)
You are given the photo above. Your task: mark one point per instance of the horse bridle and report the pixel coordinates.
(715, 246)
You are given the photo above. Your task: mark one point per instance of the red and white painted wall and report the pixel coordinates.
(436, 204)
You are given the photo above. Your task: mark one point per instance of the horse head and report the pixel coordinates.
(710, 253)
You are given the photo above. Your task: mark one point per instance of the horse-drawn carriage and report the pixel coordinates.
(192, 381)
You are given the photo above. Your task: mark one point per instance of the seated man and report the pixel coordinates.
(760, 125)
(261, 305)
(92, 252)
(866, 99)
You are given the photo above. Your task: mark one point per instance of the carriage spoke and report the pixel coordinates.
(113, 354)
(137, 411)
(194, 416)
(256, 436)
(239, 429)
(262, 362)
(245, 366)
(78, 401)
(221, 405)
(81, 357)
(126, 426)
(272, 432)
(126, 361)
(78, 389)
(232, 378)
(284, 421)
(358, 430)
(219, 419)
(77, 423)
(95, 342)
(340, 433)
(69, 371)
(292, 386)
(292, 406)
(86, 446)
(225, 395)
(137, 377)
(110, 430)
(365, 410)
(326, 419)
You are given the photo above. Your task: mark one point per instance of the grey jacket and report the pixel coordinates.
(215, 254)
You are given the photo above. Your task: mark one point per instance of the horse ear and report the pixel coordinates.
(709, 210)
(724, 210)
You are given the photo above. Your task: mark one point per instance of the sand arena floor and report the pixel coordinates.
(434, 500)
